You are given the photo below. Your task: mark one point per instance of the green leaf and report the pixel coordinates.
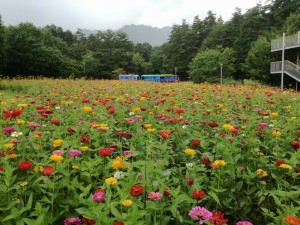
(215, 197)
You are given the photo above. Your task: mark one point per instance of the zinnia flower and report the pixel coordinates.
(25, 165)
(8, 130)
(87, 109)
(57, 143)
(136, 190)
(218, 218)
(48, 170)
(195, 143)
(244, 223)
(190, 152)
(105, 151)
(111, 181)
(295, 144)
(56, 158)
(99, 197)
(262, 173)
(292, 220)
(198, 195)
(13, 113)
(72, 221)
(200, 213)
(127, 202)
(155, 195)
(88, 221)
(74, 152)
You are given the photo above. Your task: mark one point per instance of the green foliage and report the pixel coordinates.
(2, 46)
(292, 24)
(257, 63)
(206, 66)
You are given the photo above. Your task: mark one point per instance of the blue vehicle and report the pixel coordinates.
(129, 77)
(163, 78)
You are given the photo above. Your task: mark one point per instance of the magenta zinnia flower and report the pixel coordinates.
(74, 152)
(155, 195)
(72, 221)
(244, 223)
(99, 197)
(8, 130)
(263, 125)
(200, 213)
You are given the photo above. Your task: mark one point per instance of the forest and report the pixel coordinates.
(195, 51)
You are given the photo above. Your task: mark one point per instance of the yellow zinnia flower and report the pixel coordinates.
(56, 158)
(220, 162)
(20, 121)
(84, 148)
(87, 109)
(189, 151)
(111, 181)
(57, 143)
(38, 169)
(147, 125)
(262, 172)
(151, 130)
(24, 183)
(127, 202)
(285, 166)
(118, 164)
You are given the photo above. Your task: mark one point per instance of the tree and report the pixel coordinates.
(257, 63)
(292, 24)
(206, 65)
(2, 46)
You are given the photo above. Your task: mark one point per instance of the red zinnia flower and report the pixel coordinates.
(166, 192)
(205, 160)
(218, 218)
(48, 170)
(88, 221)
(295, 144)
(292, 220)
(198, 195)
(55, 122)
(85, 140)
(13, 113)
(118, 223)
(105, 151)
(1, 168)
(179, 111)
(25, 165)
(212, 124)
(279, 162)
(195, 143)
(136, 190)
(297, 170)
(70, 130)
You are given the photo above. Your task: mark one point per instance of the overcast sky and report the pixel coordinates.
(113, 14)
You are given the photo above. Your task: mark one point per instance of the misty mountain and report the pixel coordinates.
(140, 34)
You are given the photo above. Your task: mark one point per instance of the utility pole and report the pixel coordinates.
(221, 67)
(282, 63)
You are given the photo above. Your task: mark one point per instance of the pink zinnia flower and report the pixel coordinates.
(128, 152)
(58, 152)
(138, 117)
(8, 130)
(200, 213)
(129, 120)
(155, 195)
(72, 221)
(34, 125)
(262, 125)
(74, 152)
(99, 197)
(244, 223)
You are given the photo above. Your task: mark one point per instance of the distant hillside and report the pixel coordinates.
(141, 33)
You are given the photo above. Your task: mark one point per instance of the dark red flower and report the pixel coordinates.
(136, 190)
(25, 165)
(297, 170)
(195, 143)
(88, 221)
(13, 113)
(70, 130)
(85, 140)
(295, 144)
(1, 168)
(205, 160)
(198, 195)
(105, 151)
(212, 124)
(48, 170)
(279, 162)
(179, 111)
(166, 191)
(218, 218)
(118, 223)
(55, 122)
(124, 134)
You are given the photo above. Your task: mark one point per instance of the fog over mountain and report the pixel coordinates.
(141, 33)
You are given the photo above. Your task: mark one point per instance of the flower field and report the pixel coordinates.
(112, 152)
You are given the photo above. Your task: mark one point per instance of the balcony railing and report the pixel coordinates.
(292, 41)
(289, 68)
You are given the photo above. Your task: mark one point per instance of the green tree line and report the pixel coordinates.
(195, 51)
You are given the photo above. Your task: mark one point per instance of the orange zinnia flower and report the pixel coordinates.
(292, 220)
